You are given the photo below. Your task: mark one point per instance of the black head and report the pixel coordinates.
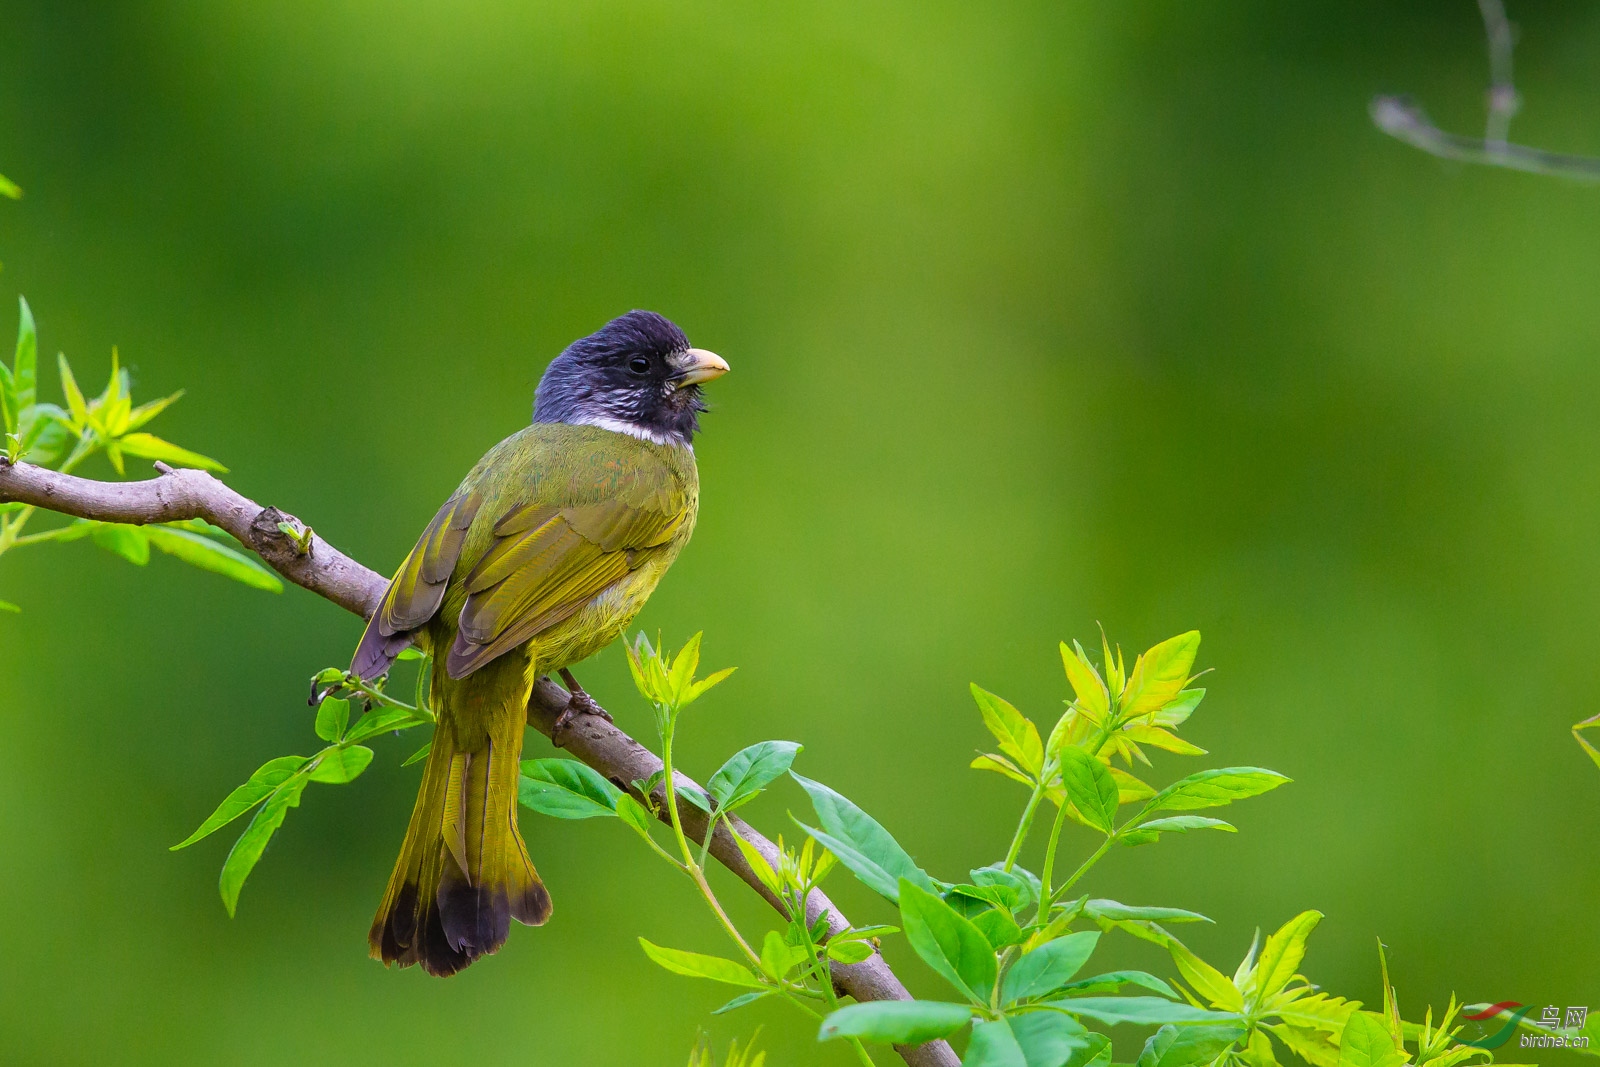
(636, 375)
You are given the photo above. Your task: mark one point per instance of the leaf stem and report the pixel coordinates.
(669, 726)
(819, 967)
(1047, 895)
(1083, 869)
(1050, 855)
(1023, 826)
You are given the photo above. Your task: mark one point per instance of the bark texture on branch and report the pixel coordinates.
(324, 570)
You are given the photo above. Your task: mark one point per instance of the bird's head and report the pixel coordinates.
(636, 375)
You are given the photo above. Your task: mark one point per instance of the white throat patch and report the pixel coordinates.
(631, 429)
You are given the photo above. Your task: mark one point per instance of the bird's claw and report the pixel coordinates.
(578, 703)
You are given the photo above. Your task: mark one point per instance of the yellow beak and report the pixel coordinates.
(697, 365)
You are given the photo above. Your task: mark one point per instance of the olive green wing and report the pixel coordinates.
(418, 588)
(546, 562)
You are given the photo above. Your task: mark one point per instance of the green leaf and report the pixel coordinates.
(1187, 1047)
(69, 386)
(9, 411)
(740, 1001)
(45, 438)
(1315, 1011)
(749, 771)
(267, 778)
(948, 943)
(129, 542)
(332, 717)
(1024, 882)
(149, 446)
(1214, 788)
(631, 812)
(24, 369)
(566, 789)
(1281, 955)
(1160, 674)
(1209, 982)
(200, 551)
(1090, 787)
(6, 605)
(861, 844)
(1258, 1051)
(759, 864)
(340, 765)
(1313, 1046)
(1048, 967)
(1366, 1043)
(1144, 1011)
(1114, 911)
(1184, 823)
(1086, 683)
(1018, 736)
(1000, 896)
(145, 412)
(1113, 981)
(778, 957)
(991, 761)
(247, 850)
(1047, 1038)
(1162, 738)
(850, 951)
(998, 928)
(696, 965)
(994, 1045)
(383, 720)
(419, 755)
(1095, 1053)
(683, 667)
(692, 793)
(898, 1022)
(9, 188)
(1178, 711)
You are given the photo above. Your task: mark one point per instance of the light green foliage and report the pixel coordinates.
(1269, 994)
(698, 965)
(701, 1055)
(792, 963)
(1381, 1038)
(48, 435)
(1592, 723)
(1025, 931)
(861, 843)
(903, 1022)
(278, 784)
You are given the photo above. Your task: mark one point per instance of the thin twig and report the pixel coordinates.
(324, 570)
(1402, 118)
(1503, 99)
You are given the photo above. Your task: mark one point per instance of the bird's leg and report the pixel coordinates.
(578, 702)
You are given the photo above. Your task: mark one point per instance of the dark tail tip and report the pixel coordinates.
(476, 919)
(458, 925)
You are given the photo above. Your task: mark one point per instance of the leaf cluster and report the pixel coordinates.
(111, 423)
(277, 785)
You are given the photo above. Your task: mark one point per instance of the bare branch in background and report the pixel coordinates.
(1403, 119)
(309, 561)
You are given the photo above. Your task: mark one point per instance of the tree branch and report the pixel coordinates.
(1404, 120)
(324, 570)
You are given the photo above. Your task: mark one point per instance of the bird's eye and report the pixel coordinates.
(638, 364)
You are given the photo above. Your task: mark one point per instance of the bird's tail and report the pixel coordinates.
(463, 872)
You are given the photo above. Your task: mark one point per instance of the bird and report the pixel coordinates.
(540, 558)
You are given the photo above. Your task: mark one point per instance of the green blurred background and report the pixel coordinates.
(1040, 316)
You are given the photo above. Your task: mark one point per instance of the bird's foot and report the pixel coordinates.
(578, 703)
